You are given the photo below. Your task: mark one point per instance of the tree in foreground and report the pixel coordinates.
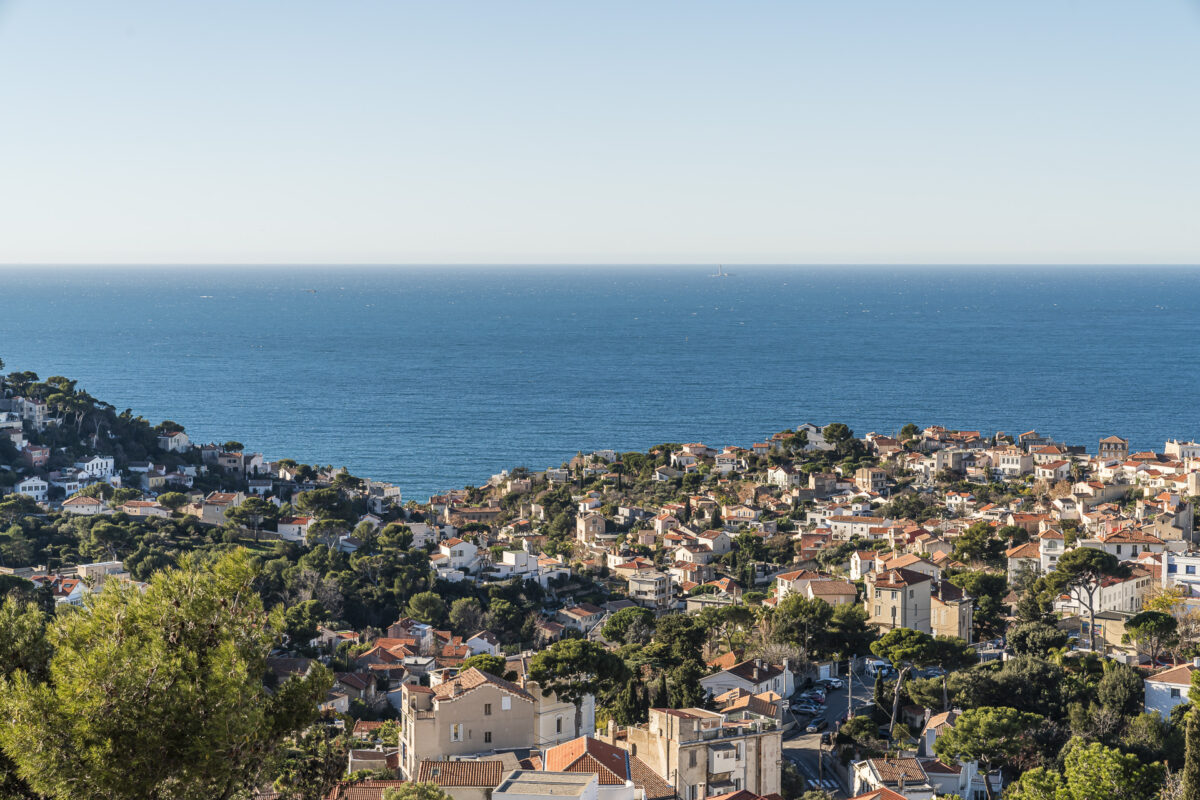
(416, 791)
(1191, 759)
(574, 668)
(1094, 771)
(159, 694)
(990, 735)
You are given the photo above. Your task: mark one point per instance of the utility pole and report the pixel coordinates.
(850, 687)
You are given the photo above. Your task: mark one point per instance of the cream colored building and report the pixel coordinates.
(706, 753)
(899, 598)
(472, 713)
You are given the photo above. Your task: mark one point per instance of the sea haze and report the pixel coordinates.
(438, 377)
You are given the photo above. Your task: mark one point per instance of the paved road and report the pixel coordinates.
(804, 750)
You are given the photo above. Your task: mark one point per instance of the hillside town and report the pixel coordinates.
(933, 613)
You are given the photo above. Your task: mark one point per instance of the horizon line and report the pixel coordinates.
(605, 264)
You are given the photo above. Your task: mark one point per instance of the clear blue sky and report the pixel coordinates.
(895, 131)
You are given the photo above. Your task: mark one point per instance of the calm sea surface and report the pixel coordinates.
(438, 377)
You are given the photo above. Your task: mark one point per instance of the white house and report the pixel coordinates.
(462, 555)
(483, 642)
(32, 487)
(293, 529)
(755, 676)
(83, 505)
(1169, 688)
(176, 442)
(97, 466)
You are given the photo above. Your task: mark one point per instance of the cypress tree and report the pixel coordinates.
(660, 696)
(1191, 760)
(644, 705)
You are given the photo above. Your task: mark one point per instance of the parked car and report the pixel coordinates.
(827, 737)
(833, 683)
(817, 725)
(815, 697)
(807, 709)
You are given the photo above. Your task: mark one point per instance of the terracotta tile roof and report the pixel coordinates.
(586, 754)
(1027, 550)
(898, 578)
(649, 781)
(832, 588)
(462, 773)
(363, 790)
(364, 727)
(880, 794)
(473, 679)
(894, 770)
(1178, 676)
(725, 661)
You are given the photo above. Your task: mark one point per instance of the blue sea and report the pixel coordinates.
(437, 377)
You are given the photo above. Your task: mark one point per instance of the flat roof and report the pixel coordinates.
(554, 784)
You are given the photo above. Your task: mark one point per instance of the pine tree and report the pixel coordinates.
(1191, 761)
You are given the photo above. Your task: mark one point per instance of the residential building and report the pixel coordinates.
(899, 598)
(704, 753)
(1114, 448)
(754, 676)
(651, 589)
(474, 712)
(1169, 688)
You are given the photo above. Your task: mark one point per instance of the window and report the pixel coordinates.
(558, 724)
(456, 732)
(1172, 568)
(487, 736)
(691, 758)
(1174, 694)
(505, 703)
(878, 610)
(487, 709)
(1190, 569)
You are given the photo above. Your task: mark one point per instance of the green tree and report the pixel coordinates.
(23, 649)
(485, 662)
(310, 765)
(978, 544)
(619, 623)
(909, 431)
(172, 500)
(1080, 573)
(950, 653)
(905, 648)
(1095, 771)
(1120, 689)
(302, 619)
(427, 607)
(574, 668)
(1191, 758)
(1038, 783)
(416, 791)
(990, 735)
(158, 695)
(1035, 638)
(1152, 632)
(466, 614)
(799, 621)
(252, 513)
